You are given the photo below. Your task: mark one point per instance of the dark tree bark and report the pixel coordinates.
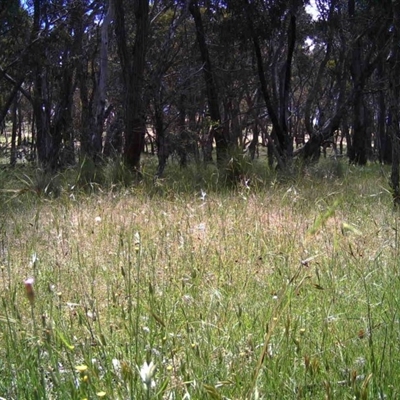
(41, 108)
(286, 141)
(183, 131)
(52, 98)
(10, 99)
(161, 140)
(278, 113)
(364, 61)
(13, 156)
(358, 150)
(94, 104)
(133, 68)
(382, 139)
(99, 101)
(218, 131)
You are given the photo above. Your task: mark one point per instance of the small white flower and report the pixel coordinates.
(187, 298)
(146, 329)
(97, 220)
(331, 318)
(34, 259)
(203, 195)
(201, 227)
(137, 241)
(146, 373)
(116, 364)
(136, 238)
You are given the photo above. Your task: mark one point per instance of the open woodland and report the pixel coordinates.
(199, 81)
(199, 199)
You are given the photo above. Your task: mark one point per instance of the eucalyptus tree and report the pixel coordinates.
(218, 130)
(14, 39)
(327, 99)
(92, 75)
(52, 69)
(59, 67)
(368, 26)
(164, 89)
(272, 29)
(132, 31)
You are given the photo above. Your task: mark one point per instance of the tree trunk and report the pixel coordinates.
(52, 108)
(358, 148)
(383, 137)
(162, 141)
(254, 141)
(133, 68)
(286, 140)
(278, 115)
(184, 137)
(13, 156)
(218, 131)
(20, 124)
(10, 99)
(99, 100)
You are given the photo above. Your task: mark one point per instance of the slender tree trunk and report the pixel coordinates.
(383, 137)
(218, 131)
(358, 148)
(85, 134)
(10, 99)
(42, 118)
(20, 124)
(287, 140)
(13, 156)
(282, 139)
(184, 137)
(254, 141)
(41, 108)
(133, 68)
(162, 141)
(99, 101)
(52, 109)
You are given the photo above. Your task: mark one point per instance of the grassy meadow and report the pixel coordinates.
(285, 288)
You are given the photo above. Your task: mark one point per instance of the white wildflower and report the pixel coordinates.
(146, 373)
(34, 260)
(116, 364)
(137, 241)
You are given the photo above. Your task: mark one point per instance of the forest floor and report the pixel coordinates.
(278, 288)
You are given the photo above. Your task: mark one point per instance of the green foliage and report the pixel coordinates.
(327, 168)
(117, 174)
(88, 175)
(40, 182)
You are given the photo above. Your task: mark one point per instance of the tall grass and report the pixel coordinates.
(270, 290)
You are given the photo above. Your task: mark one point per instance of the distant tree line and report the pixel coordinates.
(104, 78)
